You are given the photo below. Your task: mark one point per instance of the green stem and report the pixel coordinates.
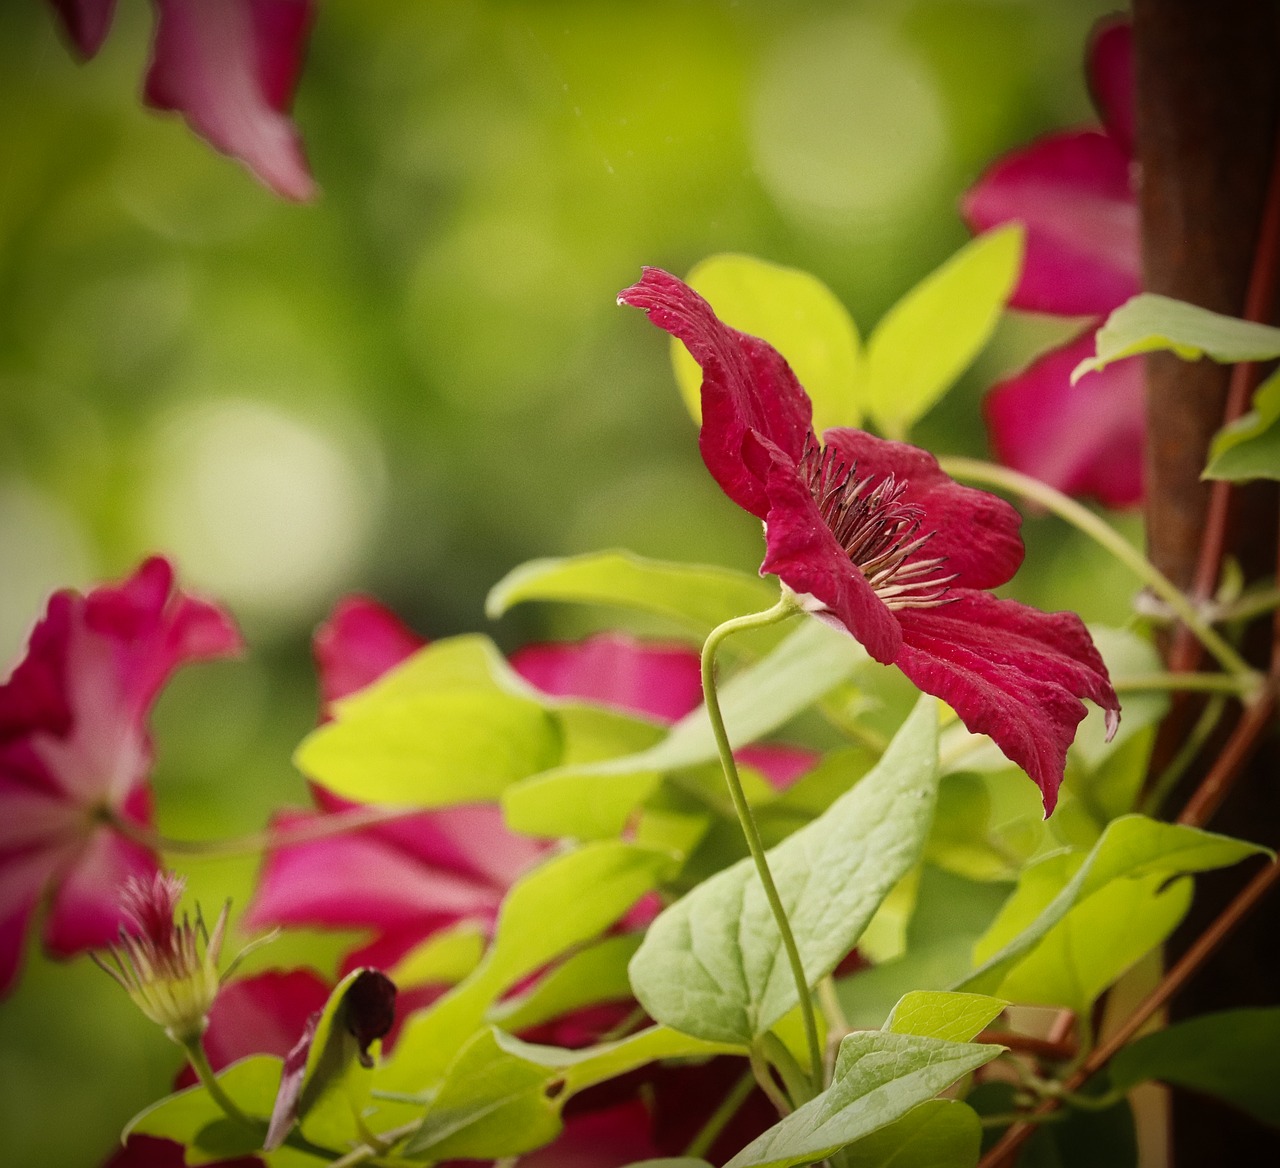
(700, 1145)
(209, 1081)
(256, 842)
(1102, 533)
(1251, 604)
(764, 1080)
(1215, 683)
(786, 606)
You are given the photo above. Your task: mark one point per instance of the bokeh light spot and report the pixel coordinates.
(267, 511)
(846, 123)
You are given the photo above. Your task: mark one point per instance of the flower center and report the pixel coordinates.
(878, 532)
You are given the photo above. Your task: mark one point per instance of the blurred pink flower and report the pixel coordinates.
(230, 68)
(408, 878)
(876, 538)
(75, 753)
(1076, 195)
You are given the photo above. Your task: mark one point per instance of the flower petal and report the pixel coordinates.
(1111, 80)
(801, 551)
(263, 1014)
(86, 912)
(1011, 672)
(976, 532)
(86, 22)
(1074, 193)
(608, 1138)
(357, 881)
(154, 1152)
(747, 389)
(781, 764)
(360, 641)
(23, 880)
(230, 68)
(613, 669)
(1084, 439)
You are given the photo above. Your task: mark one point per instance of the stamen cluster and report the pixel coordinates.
(878, 532)
(169, 969)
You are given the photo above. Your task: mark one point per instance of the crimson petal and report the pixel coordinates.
(87, 22)
(1011, 672)
(359, 642)
(751, 400)
(1111, 81)
(230, 69)
(974, 531)
(1074, 194)
(1085, 439)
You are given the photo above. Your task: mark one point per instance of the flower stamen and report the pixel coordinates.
(879, 533)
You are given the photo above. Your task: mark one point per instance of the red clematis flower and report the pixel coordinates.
(1076, 195)
(230, 68)
(875, 537)
(74, 753)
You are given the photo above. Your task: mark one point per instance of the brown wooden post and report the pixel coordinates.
(1208, 76)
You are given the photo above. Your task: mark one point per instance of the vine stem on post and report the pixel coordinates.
(787, 606)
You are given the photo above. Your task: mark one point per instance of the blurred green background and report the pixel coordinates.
(422, 379)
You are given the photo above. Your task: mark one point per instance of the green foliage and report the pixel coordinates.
(955, 1017)
(926, 340)
(502, 1097)
(193, 1118)
(600, 880)
(879, 1078)
(1055, 890)
(597, 973)
(1249, 447)
(1147, 323)
(712, 964)
(798, 315)
(1234, 1055)
(595, 800)
(940, 1133)
(697, 597)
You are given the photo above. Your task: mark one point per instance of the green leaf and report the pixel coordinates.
(940, 1133)
(951, 915)
(503, 1097)
(1097, 941)
(698, 597)
(797, 314)
(932, 334)
(938, 1014)
(191, 1117)
(596, 800)
(1131, 848)
(599, 880)
(431, 749)
(1249, 447)
(596, 974)
(444, 958)
(1148, 322)
(1234, 1055)
(879, 1077)
(712, 964)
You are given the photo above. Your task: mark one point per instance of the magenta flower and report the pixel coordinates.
(75, 753)
(1076, 195)
(230, 68)
(875, 537)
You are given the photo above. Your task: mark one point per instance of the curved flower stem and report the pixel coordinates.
(209, 1081)
(785, 607)
(1102, 533)
(1213, 683)
(324, 827)
(765, 1081)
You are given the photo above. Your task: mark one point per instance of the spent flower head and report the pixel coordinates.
(168, 967)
